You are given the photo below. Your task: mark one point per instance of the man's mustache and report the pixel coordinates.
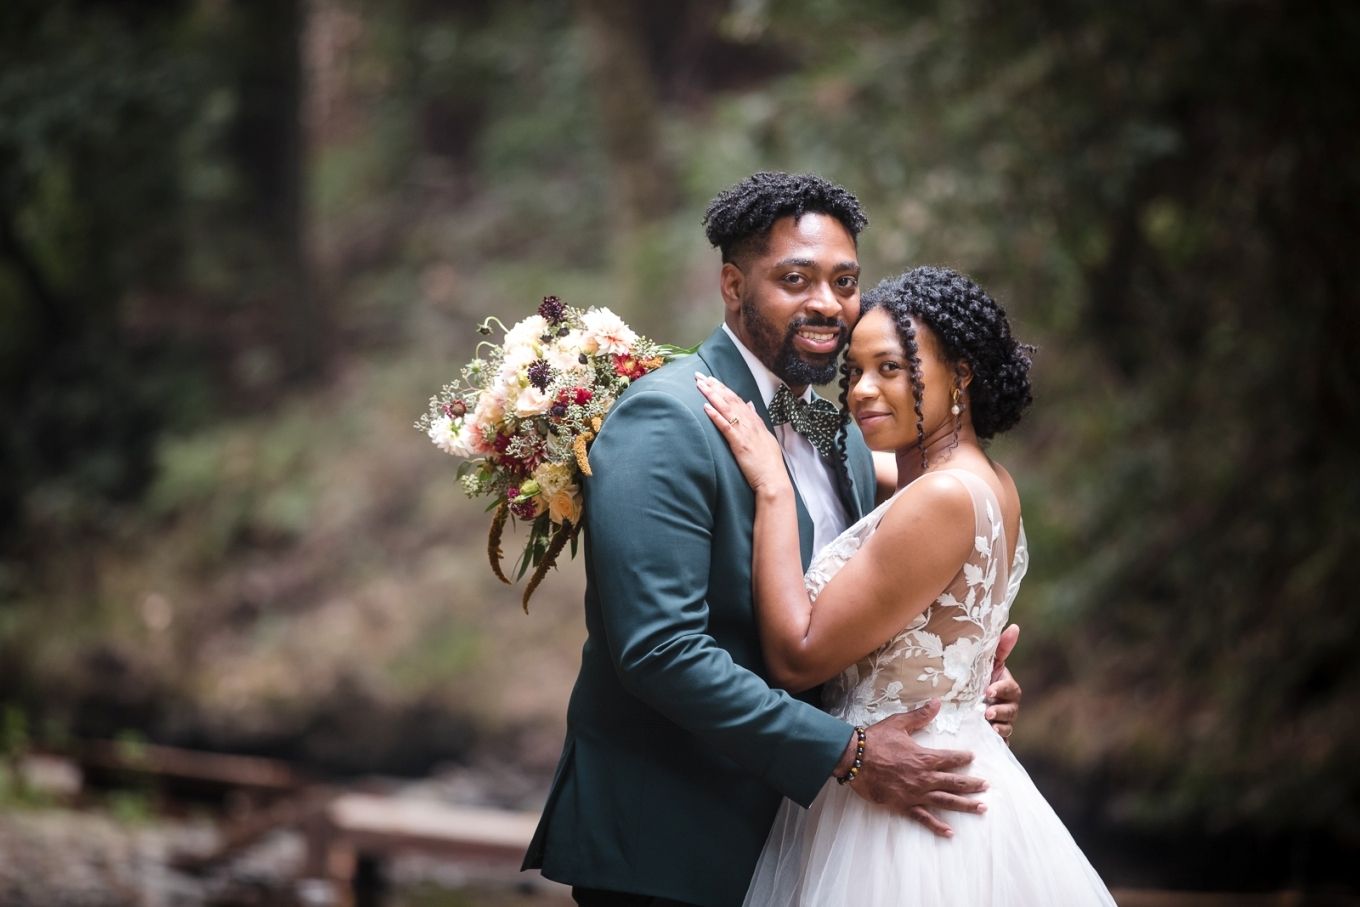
(819, 321)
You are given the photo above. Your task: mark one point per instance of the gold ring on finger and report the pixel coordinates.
(734, 420)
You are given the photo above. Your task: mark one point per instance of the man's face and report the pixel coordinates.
(794, 304)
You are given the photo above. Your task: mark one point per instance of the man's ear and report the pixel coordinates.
(730, 283)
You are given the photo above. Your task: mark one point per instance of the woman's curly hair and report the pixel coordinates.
(971, 328)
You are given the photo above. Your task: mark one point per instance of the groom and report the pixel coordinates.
(678, 751)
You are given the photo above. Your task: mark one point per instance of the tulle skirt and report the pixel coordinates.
(844, 851)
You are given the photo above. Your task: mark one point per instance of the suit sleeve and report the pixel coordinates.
(649, 521)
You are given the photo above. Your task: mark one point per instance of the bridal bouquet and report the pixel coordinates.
(522, 415)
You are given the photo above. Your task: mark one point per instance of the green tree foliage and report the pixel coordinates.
(151, 230)
(1164, 195)
(85, 117)
(1167, 194)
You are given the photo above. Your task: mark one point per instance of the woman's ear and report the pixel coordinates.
(730, 283)
(964, 372)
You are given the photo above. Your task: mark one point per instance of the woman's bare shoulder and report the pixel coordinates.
(937, 506)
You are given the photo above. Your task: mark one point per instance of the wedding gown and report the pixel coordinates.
(844, 850)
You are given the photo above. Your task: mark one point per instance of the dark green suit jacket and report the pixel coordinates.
(677, 750)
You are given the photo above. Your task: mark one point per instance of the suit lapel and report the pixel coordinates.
(725, 363)
(860, 465)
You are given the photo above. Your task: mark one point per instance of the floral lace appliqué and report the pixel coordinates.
(947, 651)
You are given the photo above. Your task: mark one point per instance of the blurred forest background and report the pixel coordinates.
(242, 241)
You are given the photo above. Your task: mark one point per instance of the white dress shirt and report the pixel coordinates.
(812, 475)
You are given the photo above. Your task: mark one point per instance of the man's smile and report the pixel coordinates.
(821, 340)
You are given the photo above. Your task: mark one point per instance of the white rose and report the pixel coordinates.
(526, 334)
(565, 352)
(532, 402)
(516, 363)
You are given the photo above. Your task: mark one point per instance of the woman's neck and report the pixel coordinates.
(940, 449)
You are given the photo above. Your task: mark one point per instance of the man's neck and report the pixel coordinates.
(767, 374)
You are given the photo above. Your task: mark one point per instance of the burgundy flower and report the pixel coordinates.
(552, 309)
(578, 395)
(540, 374)
(455, 409)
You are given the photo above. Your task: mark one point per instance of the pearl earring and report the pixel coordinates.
(956, 408)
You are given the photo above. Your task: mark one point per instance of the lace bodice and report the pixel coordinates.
(946, 652)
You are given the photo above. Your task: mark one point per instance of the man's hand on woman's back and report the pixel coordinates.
(912, 779)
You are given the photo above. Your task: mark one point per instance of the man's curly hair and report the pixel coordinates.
(971, 328)
(738, 220)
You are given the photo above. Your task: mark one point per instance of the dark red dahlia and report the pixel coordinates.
(552, 309)
(578, 395)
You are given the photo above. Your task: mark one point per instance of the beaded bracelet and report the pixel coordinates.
(853, 773)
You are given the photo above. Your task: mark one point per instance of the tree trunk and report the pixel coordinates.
(271, 145)
(640, 185)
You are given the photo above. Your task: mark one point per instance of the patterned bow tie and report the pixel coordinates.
(817, 421)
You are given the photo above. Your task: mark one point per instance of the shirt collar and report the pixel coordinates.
(766, 380)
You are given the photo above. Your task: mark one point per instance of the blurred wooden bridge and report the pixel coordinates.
(348, 832)
(343, 828)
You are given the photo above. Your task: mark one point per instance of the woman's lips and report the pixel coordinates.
(869, 418)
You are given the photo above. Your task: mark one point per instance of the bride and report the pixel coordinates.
(906, 607)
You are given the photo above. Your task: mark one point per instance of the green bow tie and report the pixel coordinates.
(817, 421)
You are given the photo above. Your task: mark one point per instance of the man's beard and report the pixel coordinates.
(779, 354)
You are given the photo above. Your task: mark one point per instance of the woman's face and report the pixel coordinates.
(880, 396)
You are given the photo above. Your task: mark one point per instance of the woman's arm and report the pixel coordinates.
(783, 609)
(918, 548)
(903, 567)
